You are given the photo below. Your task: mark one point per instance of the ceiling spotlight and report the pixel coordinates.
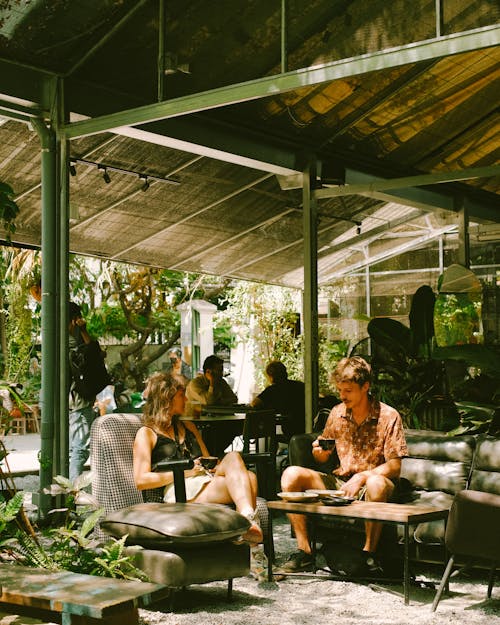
(72, 169)
(145, 186)
(105, 175)
(358, 229)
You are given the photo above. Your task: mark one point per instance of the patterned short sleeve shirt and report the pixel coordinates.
(363, 447)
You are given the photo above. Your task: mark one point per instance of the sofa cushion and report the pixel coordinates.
(485, 474)
(437, 461)
(432, 533)
(160, 524)
(432, 475)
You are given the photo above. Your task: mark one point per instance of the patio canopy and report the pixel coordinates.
(189, 140)
(287, 142)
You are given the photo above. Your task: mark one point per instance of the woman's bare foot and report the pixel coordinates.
(254, 534)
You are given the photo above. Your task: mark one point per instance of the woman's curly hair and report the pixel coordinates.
(159, 393)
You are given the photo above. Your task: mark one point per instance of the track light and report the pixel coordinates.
(358, 229)
(147, 179)
(105, 175)
(72, 169)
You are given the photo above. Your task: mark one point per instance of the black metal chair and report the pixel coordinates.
(472, 532)
(260, 446)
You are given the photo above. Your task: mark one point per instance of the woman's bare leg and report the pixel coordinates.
(233, 483)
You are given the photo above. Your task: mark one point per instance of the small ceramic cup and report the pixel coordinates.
(326, 443)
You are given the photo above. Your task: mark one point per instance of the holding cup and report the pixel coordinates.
(327, 444)
(193, 409)
(209, 462)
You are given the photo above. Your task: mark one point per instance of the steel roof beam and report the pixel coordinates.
(281, 83)
(199, 138)
(353, 187)
(407, 191)
(391, 252)
(26, 87)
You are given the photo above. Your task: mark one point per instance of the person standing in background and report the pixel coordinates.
(176, 365)
(81, 410)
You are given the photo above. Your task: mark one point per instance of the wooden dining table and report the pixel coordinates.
(217, 419)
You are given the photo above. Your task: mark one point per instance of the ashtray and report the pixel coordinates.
(337, 501)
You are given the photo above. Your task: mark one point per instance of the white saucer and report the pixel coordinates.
(325, 492)
(299, 497)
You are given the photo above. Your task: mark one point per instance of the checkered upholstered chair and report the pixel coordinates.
(180, 542)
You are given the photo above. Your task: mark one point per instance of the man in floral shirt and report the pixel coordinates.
(369, 442)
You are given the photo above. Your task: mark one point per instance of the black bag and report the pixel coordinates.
(88, 369)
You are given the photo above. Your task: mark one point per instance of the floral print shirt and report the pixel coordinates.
(363, 447)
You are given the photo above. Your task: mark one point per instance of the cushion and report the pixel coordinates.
(427, 474)
(160, 524)
(432, 533)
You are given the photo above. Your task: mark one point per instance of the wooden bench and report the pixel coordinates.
(75, 599)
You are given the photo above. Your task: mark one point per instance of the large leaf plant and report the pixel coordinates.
(9, 210)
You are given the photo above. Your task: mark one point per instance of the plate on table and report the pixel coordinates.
(299, 497)
(322, 493)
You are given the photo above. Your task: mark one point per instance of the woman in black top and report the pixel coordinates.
(163, 437)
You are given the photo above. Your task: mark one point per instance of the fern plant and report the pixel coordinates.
(69, 544)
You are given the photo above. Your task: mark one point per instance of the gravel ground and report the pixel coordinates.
(311, 601)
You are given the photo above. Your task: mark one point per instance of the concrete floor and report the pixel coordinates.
(23, 453)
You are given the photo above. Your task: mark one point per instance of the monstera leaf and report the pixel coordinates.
(391, 335)
(479, 356)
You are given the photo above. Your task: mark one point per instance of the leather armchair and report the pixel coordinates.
(472, 532)
(180, 544)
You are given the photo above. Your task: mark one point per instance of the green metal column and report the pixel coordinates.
(310, 302)
(49, 310)
(463, 232)
(62, 147)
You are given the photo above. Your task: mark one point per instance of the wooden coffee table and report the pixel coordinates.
(389, 513)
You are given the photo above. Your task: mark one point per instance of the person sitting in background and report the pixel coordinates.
(285, 396)
(210, 389)
(176, 365)
(164, 437)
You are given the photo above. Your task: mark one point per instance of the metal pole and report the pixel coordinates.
(161, 50)
(284, 37)
(62, 211)
(310, 300)
(49, 318)
(463, 232)
(439, 18)
(368, 292)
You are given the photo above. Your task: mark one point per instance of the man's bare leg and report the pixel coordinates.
(378, 488)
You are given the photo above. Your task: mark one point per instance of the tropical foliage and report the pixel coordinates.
(9, 210)
(68, 543)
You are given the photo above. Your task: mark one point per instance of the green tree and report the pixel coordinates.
(19, 320)
(266, 319)
(137, 305)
